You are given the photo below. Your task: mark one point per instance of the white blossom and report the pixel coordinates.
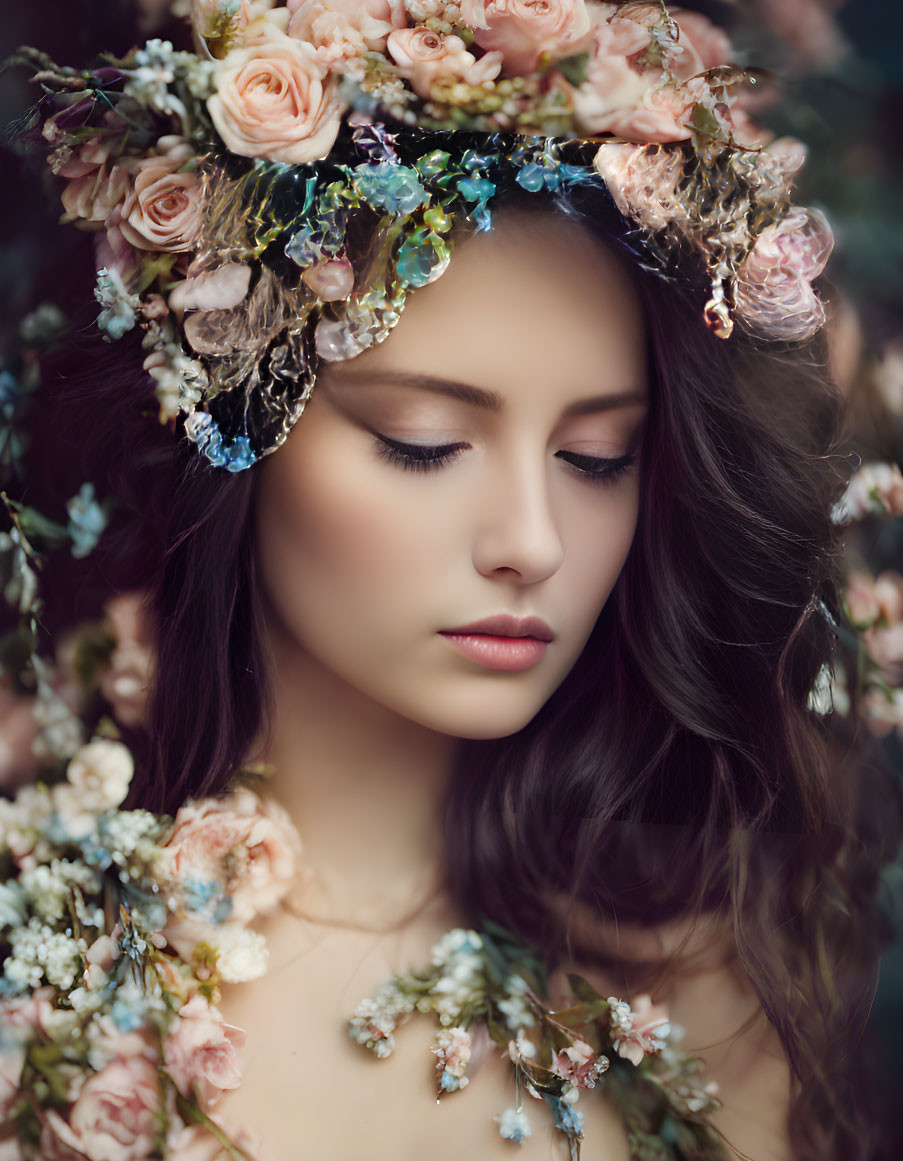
(514, 1126)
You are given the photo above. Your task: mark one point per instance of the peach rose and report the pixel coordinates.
(662, 116)
(425, 57)
(200, 1052)
(247, 847)
(274, 100)
(358, 24)
(523, 30)
(113, 1118)
(613, 85)
(163, 209)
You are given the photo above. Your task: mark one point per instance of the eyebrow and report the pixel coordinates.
(479, 397)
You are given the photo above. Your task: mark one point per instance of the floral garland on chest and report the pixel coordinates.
(118, 927)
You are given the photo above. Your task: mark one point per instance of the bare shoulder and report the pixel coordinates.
(709, 996)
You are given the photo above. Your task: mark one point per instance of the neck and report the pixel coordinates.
(364, 787)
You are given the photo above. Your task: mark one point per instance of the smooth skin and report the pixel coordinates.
(520, 377)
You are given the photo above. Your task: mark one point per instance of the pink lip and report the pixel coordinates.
(502, 642)
(505, 625)
(510, 653)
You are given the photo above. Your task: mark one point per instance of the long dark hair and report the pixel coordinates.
(677, 771)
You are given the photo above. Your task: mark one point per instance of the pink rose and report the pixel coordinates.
(613, 85)
(201, 1050)
(425, 57)
(772, 290)
(344, 28)
(163, 209)
(113, 1119)
(643, 180)
(662, 116)
(248, 847)
(523, 30)
(274, 100)
(90, 199)
(91, 156)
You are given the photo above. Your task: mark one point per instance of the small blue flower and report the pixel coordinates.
(448, 1082)
(422, 258)
(87, 520)
(117, 315)
(396, 188)
(128, 1017)
(202, 429)
(566, 1118)
(532, 178)
(478, 190)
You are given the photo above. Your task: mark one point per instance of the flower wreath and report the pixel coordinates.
(267, 202)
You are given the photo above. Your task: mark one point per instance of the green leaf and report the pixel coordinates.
(582, 989)
(574, 68)
(704, 121)
(193, 1114)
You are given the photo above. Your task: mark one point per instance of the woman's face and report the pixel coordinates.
(480, 463)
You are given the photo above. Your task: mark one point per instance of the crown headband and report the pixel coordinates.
(268, 201)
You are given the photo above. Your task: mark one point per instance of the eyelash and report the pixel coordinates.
(418, 458)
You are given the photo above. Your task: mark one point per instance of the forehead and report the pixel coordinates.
(537, 300)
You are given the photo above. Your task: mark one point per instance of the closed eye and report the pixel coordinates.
(428, 457)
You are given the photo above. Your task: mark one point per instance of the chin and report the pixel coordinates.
(480, 722)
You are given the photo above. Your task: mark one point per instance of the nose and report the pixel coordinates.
(517, 532)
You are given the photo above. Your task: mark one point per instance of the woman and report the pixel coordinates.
(548, 434)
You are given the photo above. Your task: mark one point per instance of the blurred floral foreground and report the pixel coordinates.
(843, 97)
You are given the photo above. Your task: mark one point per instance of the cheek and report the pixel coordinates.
(599, 536)
(337, 545)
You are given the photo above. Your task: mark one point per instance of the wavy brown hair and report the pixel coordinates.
(676, 772)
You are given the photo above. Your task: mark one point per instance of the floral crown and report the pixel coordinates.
(268, 201)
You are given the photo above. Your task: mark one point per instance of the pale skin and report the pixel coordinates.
(528, 358)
